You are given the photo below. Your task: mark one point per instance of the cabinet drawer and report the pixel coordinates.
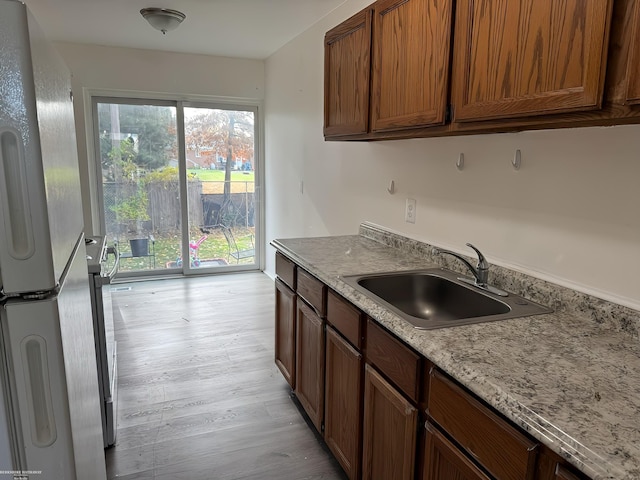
(345, 318)
(398, 362)
(313, 291)
(499, 447)
(286, 270)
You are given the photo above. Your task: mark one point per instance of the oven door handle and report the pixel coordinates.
(116, 265)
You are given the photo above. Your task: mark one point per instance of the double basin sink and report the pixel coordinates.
(437, 298)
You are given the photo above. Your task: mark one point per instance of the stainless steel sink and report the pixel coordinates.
(435, 298)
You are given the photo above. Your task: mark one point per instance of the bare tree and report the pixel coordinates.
(226, 133)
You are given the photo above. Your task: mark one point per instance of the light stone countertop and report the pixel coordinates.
(568, 378)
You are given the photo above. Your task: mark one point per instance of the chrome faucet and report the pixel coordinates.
(480, 272)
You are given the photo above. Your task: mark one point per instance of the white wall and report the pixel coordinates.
(571, 214)
(98, 68)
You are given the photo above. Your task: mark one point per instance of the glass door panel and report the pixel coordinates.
(221, 187)
(138, 152)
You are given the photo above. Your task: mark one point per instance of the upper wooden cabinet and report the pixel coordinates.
(633, 66)
(525, 57)
(502, 65)
(347, 68)
(411, 48)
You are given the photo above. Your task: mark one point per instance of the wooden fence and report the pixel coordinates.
(163, 205)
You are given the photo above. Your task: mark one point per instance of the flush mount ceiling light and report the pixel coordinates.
(163, 19)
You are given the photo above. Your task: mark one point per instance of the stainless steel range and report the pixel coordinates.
(101, 303)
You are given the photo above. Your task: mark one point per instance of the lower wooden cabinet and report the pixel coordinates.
(553, 467)
(285, 347)
(287, 271)
(310, 362)
(563, 473)
(394, 360)
(444, 461)
(343, 403)
(389, 431)
(360, 385)
(503, 450)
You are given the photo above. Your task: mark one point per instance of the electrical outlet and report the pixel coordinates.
(410, 211)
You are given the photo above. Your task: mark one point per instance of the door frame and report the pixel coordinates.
(92, 97)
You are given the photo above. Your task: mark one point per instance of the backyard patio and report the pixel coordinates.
(213, 249)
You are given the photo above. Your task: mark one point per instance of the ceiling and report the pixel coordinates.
(231, 28)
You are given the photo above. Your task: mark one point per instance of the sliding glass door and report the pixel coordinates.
(178, 185)
(220, 159)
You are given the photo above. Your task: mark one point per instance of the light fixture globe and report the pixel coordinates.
(163, 19)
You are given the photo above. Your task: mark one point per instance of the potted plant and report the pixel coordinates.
(132, 213)
(132, 208)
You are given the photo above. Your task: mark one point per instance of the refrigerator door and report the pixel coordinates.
(40, 200)
(52, 376)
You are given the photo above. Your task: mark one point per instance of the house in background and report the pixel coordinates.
(209, 159)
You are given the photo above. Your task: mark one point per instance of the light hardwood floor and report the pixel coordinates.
(199, 394)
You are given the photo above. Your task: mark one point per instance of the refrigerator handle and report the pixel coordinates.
(14, 191)
(36, 373)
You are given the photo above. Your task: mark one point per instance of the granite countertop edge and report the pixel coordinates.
(563, 431)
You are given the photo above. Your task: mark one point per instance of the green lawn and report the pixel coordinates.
(218, 175)
(167, 249)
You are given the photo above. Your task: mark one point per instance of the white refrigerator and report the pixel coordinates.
(50, 426)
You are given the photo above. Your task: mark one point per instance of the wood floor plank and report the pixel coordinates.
(199, 394)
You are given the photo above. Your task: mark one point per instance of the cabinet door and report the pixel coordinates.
(444, 461)
(633, 68)
(343, 402)
(389, 431)
(551, 466)
(411, 49)
(286, 332)
(310, 362)
(347, 67)
(515, 58)
(563, 473)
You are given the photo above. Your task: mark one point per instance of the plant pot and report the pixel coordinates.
(139, 247)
